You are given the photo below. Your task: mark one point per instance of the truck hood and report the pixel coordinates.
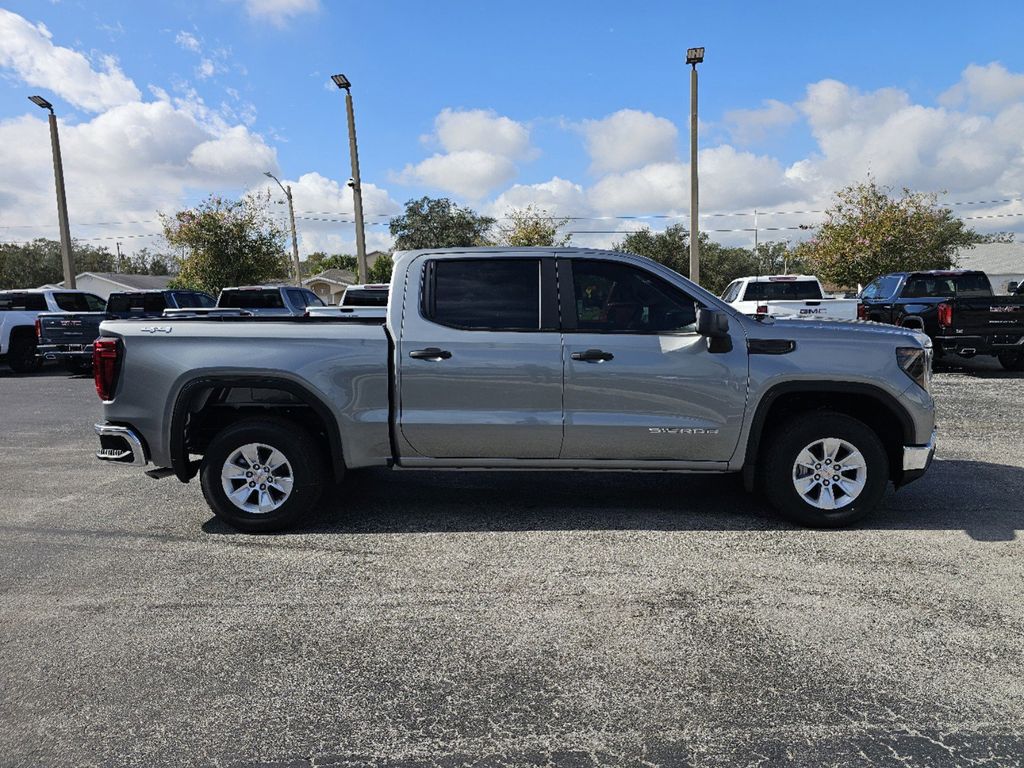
(839, 329)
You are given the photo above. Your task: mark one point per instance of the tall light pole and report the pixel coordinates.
(357, 191)
(62, 201)
(694, 56)
(291, 215)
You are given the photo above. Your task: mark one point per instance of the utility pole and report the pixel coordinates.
(357, 191)
(62, 203)
(117, 266)
(291, 215)
(694, 56)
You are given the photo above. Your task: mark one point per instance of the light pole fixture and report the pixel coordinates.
(357, 191)
(694, 56)
(62, 202)
(291, 215)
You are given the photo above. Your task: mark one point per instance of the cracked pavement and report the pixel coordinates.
(509, 619)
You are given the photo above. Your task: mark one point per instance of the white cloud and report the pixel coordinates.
(324, 214)
(748, 126)
(279, 12)
(629, 139)
(557, 196)
(482, 148)
(205, 69)
(188, 41)
(28, 50)
(472, 173)
(483, 130)
(982, 88)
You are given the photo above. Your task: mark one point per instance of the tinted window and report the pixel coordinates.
(485, 294)
(297, 298)
(365, 297)
(79, 302)
(190, 299)
(22, 302)
(312, 300)
(972, 285)
(617, 298)
(790, 290)
(732, 292)
(251, 299)
(882, 288)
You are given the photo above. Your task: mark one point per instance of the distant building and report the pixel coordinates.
(1002, 262)
(105, 283)
(330, 284)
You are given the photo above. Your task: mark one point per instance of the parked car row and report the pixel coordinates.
(957, 309)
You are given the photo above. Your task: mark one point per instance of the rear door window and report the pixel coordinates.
(22, 302)
(79, 302)
(484, 294)
(192, 299)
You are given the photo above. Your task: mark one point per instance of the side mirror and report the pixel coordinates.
(1012, 286)
(713, 323)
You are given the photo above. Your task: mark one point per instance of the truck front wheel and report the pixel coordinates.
(262, 474)
(825, 470)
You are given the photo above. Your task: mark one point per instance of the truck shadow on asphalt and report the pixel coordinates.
(986, 501)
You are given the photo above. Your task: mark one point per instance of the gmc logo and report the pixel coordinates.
(70, 323)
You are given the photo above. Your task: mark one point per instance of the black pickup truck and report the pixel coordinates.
(68, 336)
(956, 308)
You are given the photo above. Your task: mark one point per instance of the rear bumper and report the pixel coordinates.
(65, 351)
(916, 460)
(120, 444)
(989, 344)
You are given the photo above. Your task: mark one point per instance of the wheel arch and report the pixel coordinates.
(194, 396)
(875, 407)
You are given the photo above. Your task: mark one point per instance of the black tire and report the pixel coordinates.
(303, 454)
(1012, 361)
(780, 459)
(22, 355)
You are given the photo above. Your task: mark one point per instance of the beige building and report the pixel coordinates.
(1002, 262)
(330, 284)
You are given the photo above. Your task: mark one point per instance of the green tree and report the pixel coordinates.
(869, 232)
(777, 258)
(531, 226)
(380, 270)
(319, 261)
(438, 223)
(719, 265)
(226, 242)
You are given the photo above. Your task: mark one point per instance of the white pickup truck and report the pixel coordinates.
(798, 296)
(19, 310)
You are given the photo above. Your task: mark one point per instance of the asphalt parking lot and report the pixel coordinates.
(440, 619)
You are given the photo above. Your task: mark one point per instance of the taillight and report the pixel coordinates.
(762, 309)
(39, 329)
(862, 312)
(106, 361)
(945, 315)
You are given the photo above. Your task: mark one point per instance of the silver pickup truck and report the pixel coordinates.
(519, 359)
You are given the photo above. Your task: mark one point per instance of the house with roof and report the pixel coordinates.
(105, 283)
(1002, 262)
(330, 284)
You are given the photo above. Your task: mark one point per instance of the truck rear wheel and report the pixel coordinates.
(825, 470)
(262, 474)
(22, 355)
(1012, 361)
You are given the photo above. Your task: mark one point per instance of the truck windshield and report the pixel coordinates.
(938, 286)
(79, 302)
(251, 299)
(22, 302)
(795, 290)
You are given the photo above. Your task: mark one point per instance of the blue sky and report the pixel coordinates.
(488, 103)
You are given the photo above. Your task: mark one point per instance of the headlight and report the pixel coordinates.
(916, 363)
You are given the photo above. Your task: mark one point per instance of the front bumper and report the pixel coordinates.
(917, 459)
